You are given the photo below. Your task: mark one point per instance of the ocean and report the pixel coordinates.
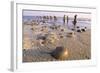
(80, 21)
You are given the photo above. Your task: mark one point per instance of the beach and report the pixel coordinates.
(78, 45)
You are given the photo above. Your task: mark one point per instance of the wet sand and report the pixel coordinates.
(78, 46)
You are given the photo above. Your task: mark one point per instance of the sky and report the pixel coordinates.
(52, 13)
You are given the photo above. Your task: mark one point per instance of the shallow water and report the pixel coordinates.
(80, 22)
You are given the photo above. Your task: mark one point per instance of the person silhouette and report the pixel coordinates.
(75, 21)
(67, 22)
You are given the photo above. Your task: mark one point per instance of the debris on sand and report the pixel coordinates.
(70, 34)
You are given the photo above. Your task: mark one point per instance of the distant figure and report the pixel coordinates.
(47, 18)
(55, 19)
(75, 21)
(64, 19)
(67, 20)
(51, 18)
(44, 19)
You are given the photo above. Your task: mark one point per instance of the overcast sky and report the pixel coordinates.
(50, 13)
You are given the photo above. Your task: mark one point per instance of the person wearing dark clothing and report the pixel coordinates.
(75, 21)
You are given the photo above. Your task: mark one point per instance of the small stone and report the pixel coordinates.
(77, 27)
(61, 36)
(87, 57)
(70, 34)
(32, 29)
(72, 29)
(83, 30)
(79, 30)
(62, 29)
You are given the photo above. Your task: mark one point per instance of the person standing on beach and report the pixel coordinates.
(75, 21)
(67, 20)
